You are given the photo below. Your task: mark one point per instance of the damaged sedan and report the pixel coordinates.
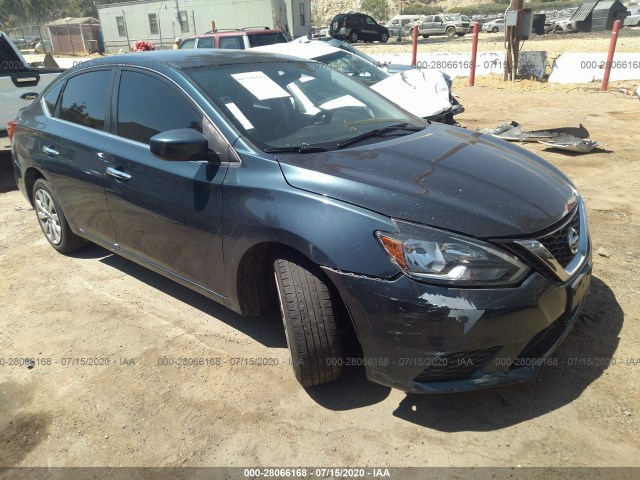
(457, 260)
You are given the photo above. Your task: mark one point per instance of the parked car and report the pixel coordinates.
(459, 260)
(401, 23)
(443, 25)
(357, 26)
(633, 17)
(425, 93)
(343, 45)
(234, 39)
(19, 84)
(494, 26)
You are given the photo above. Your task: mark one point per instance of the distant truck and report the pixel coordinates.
(19, 84)
(449, 25)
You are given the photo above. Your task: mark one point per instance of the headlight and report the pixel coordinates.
(437, 256)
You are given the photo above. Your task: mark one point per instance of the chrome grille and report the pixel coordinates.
(558, 242)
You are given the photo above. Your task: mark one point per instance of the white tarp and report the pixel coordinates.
(574, 67)
(458, 64)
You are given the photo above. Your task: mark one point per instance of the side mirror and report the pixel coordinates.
(180, 145)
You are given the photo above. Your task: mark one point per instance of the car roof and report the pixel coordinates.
(309, 50)
(163, 60)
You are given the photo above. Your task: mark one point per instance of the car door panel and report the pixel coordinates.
(72, 153)
(168, 213)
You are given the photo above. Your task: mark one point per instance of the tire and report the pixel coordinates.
(52, 220)
(460, 34)
(494, 30)
(308, 308)
(353, 36)
(384, 37)
(425, 36)
(450, 32)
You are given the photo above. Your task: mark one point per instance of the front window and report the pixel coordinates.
(297, 105)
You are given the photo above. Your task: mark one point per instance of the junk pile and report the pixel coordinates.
(572, 139)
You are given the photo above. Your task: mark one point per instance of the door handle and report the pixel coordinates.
(118, 174)
(50, 151)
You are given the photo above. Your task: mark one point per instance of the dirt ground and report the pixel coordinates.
(138, 411)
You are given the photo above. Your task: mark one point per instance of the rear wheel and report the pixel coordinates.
(495, 30)
(52, 220)
(384, 37)
(308, 307)
(425, 36)
(450, 32)
(353, 36)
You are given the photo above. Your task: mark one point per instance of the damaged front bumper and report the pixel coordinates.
(430, 339)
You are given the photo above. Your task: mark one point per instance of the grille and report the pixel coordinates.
(557, 242)
(455, 366)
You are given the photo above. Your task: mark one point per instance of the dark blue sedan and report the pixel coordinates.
(260, 180)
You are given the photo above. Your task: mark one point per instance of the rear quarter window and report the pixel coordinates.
(51, 98)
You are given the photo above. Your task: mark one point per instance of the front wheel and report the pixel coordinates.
(308, 308)
(353, 37)
(495, 30)
(52, 220)
(384, 37)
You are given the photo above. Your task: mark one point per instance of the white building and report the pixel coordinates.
(161, 21)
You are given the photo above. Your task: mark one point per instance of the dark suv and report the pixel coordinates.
(239, 39)
(357, 26)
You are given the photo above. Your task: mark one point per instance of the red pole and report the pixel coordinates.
(474, 54)
(415, 46)
(612, 50)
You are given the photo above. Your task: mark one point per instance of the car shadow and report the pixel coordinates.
(7, 179)
(582, 358)
(266, 329)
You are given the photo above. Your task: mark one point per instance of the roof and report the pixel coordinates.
(163, 60)
(72, 21)
(236, 31)
(308, 50)
(583, 11)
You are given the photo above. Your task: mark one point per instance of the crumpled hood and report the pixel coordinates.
(425, 93)
(443, 176)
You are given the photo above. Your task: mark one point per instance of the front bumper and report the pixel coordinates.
(431, 339)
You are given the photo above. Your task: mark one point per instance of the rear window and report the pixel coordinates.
(231, 43)
(261, 39)
(206, 42)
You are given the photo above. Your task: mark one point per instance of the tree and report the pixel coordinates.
(376, 8)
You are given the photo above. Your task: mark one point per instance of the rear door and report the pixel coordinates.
(166, 213)
(72, 148)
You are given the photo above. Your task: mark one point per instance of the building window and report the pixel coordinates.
(153, 24)
(184, 21)
(121, 27)
(302, 18)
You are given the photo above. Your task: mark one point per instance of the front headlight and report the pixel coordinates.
(437, 256)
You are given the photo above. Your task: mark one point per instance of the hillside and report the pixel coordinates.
(323, 10)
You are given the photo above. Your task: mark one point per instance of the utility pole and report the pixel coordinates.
(513, 22)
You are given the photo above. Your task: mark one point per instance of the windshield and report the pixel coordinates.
(354, 67)
(280, 105)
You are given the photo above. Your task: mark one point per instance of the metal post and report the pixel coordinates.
(414, 31)
(159, 25)
(612, 50)
(73, 50)
(474, 54)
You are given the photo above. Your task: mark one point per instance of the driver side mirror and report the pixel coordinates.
(181, 145)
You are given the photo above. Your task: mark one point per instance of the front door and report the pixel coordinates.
(168, 213)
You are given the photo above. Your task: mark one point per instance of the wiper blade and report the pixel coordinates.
(299, 149)
(406, 127)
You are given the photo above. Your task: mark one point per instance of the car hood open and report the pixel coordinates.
(443, 176)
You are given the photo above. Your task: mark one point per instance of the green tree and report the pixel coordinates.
(376, 8)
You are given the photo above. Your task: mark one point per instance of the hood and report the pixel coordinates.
(444, 177)
(425, 93)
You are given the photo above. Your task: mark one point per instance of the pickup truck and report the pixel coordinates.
(19, 84)
(449, 25)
